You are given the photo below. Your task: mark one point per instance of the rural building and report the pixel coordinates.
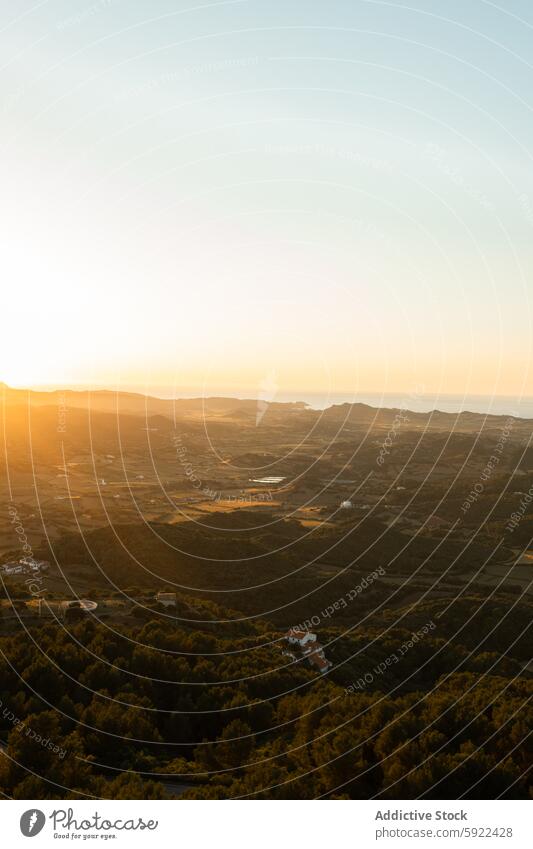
(311, 650)
(297, 636)
(167, 599)
(24, 566)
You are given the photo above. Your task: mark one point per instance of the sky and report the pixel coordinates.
(258, 197)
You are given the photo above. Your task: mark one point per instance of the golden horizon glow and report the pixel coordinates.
(164, 228)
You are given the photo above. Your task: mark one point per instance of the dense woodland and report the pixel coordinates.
(219, 710)
(200, 700)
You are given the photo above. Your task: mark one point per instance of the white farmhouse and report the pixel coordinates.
(299, 637)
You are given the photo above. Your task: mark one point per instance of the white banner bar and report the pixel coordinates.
(268, 825)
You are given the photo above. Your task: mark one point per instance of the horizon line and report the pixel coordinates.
(425, 403)
(237, 394)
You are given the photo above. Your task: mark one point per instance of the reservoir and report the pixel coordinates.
(268, 479)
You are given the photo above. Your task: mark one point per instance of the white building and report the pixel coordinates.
(297, 636)
(311, 650)
(24, 566)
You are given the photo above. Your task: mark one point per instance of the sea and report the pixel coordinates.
(499, 405)
(496, 405)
